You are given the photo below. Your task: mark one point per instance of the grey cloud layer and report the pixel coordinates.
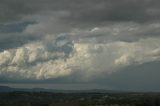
(84, 11)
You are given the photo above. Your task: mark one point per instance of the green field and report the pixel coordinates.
(78, 99)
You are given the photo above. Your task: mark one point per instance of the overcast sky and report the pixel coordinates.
(112, 44)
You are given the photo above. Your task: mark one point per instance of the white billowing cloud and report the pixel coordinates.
(138, 52)
(5, 57)
(52, 69)
(23, 61)
(99, 58)
(35, 61)
(31, 53)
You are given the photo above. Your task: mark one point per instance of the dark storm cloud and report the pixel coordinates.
(13, 27)
(11, 37)
(84, 11)
(18, 40)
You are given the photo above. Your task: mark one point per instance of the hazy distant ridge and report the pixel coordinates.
(9, 89)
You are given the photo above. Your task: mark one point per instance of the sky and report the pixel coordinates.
(111, 44)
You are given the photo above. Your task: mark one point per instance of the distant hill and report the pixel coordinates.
(6, 89)
(9, 89)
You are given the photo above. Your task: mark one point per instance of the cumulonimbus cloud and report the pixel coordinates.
(34, 61)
